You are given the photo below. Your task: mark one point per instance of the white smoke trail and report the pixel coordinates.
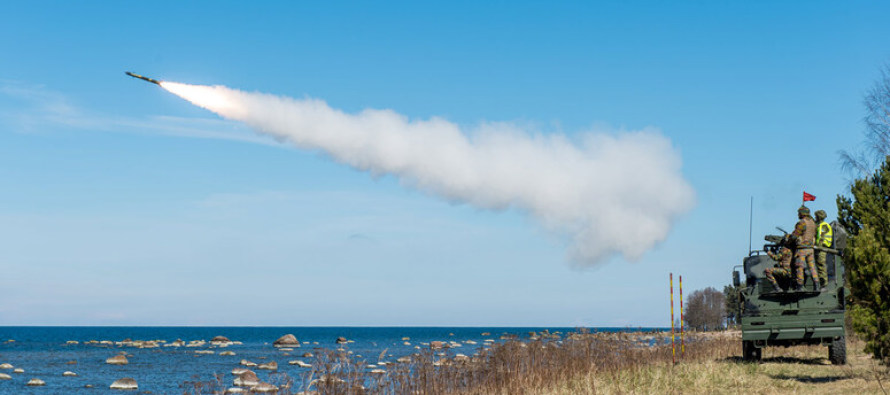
(611, 193)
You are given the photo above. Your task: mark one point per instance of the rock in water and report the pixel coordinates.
(247, 379)
(5, 366)
(220, 339)
(36, 382)
(4, 376)
(287, 340)
(264, 388)
(341, 340)
(117, 360)
(300, 363)
(125, 383)
(18, 370)
(69, 374)
(268, 366)
(247, 363)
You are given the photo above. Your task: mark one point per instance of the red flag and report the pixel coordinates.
(807, 197)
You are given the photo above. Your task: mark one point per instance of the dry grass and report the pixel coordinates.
(605, 363)
(793, 370)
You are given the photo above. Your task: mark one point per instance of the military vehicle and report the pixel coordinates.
(787, 317)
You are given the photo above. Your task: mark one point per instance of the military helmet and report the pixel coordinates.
(820, 215)
(803, 210)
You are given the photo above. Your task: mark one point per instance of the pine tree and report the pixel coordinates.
(867, 258)
(731, 295)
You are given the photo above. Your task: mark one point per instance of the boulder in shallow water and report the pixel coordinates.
(4, 376)
(341, 340)
(300, 363)
(5, 366)
(287, 340)
(117, 360)
(69, 373)
(247, 363)
(220, 339)
(263, 387)
(268, 366)
(126, 383)
(18, 370)
(247, 379)
(35, 382)
(224, 353)
(236, 390)
(436, 345)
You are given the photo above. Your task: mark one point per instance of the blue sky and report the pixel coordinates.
(122, 204)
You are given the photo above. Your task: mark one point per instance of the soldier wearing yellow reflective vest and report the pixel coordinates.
(824, 236)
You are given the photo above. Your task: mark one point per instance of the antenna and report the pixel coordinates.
(750, 224)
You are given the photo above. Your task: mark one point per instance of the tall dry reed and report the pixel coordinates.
(512, 367)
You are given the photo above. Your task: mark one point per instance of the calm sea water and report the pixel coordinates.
(43, 353)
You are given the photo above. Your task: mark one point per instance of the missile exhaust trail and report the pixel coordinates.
(607, 194)
(152, 80)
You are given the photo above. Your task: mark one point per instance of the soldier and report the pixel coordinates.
(782, 267)
(804, 236)
(824, 236)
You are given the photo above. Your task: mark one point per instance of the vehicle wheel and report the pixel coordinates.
(837, 351)
(749, 352)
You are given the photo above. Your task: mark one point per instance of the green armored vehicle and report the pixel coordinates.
(786, 317)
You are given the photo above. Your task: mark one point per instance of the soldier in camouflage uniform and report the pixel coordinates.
(782, 267)
(824, 236)
(804, 236)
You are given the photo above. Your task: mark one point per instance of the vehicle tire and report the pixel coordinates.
(837, 351)
(749, 352)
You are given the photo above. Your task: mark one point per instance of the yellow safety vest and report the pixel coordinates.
(824, 234)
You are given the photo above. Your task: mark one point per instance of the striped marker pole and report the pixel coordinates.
(673, 347)
(682, 342)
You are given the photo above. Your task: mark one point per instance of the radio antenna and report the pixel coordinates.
(750, 224)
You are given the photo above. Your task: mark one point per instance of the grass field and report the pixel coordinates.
(717, 368)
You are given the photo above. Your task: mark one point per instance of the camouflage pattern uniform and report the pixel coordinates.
(823, 239)
(805, 236)
(782, 267)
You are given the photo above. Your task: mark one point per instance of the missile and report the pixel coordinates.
(134, 75)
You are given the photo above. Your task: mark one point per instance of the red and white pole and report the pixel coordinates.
(682, 342)
(673, 347)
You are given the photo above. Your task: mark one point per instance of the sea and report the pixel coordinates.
(44, 353)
